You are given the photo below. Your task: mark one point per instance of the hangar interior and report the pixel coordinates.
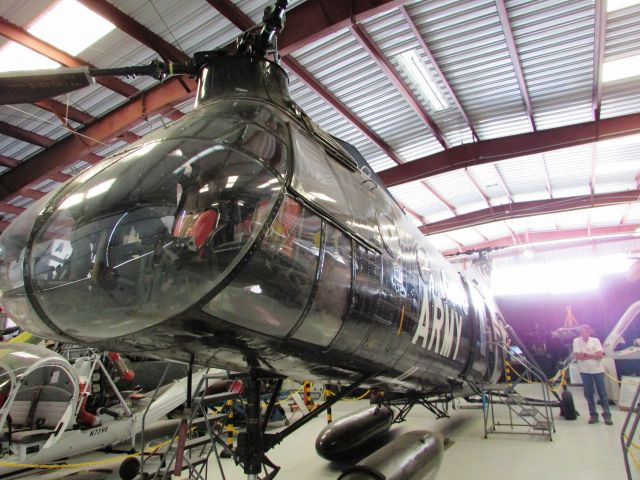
(507, 131)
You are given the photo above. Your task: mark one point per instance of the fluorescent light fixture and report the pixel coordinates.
(270, 182)
(71, 200)
(204, 189)
(621, 68)
(100, 188)
(413, 66)
(613, 5)
(70, 26)
(231, 181)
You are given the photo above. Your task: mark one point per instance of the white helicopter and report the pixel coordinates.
(43, 413)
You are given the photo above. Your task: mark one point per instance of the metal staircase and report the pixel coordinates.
(198, 436)
(523, 415)
(629, 430)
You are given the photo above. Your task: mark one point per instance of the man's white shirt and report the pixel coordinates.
(591, 346)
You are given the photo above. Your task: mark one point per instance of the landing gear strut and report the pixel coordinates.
(254, 442)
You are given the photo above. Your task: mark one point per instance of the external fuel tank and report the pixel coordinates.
(243, 235)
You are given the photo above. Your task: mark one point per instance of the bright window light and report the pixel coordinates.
(68, 26)
(621, 68)
(413, 66)
(231, 181)
(71, 27)
(16, 57)
(557, 277)
(613, 5)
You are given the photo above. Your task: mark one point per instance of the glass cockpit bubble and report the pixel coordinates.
(147, 236)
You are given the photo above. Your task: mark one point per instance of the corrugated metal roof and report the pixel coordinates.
(555, 46)
(622, 40)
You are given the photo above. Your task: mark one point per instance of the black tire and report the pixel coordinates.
(568, 407)
(129, 468)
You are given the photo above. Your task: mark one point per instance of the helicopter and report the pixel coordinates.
(245, 237)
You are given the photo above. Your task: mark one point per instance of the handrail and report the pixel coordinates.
(626, 439)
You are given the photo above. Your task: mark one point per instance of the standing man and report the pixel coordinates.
(589, 353)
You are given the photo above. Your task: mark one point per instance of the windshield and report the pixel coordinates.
(145, 237)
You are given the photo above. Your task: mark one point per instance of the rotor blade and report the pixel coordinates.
(35, 85)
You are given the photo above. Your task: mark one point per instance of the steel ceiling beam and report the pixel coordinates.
(25, 135)
(577, 234)
(305, 23)
(6, 208)
(8, 162)
(21, 36)
(515, 60)
(600, 34)
(315, 19)
(136, 30)
(65, 111)
(232, 13)
(547, 178)
(372, 49)
(527, 209)
(436, 67)
(503, 184)
(503, 148)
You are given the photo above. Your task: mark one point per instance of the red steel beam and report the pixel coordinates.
(512, 146)
(527, 209)
(25, 135)
(369, 45)
(515, 60)
(478, 188)
(305, 24)
(8, 162)
(232, 13)
(440, 198)
(547, 178)
(503, 184)
(436, 67)
(594, 162)
(552, 236)
(21, 36)
(136, 30)
(600, 33)
(63, 111)
(5, 207)
(315, 19)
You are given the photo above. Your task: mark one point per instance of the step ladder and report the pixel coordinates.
(523, 415)
(628, 433)
(198, 437)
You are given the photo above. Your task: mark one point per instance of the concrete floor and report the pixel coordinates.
(578, 450)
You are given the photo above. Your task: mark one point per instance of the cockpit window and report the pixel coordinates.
(149, 235)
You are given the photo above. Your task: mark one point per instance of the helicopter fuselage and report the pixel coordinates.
(245, 236)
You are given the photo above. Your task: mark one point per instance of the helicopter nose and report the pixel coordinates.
(13, 294)
(135, 240)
